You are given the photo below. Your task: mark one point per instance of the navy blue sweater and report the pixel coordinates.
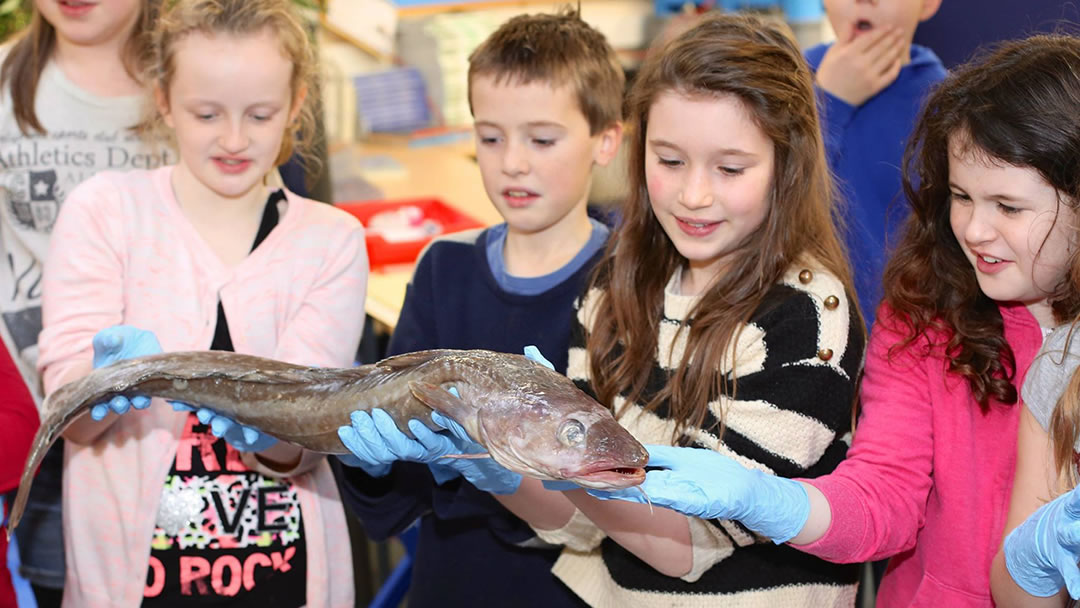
(865, 146)
(470, 551)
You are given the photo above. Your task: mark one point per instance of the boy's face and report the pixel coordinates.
(535, 152)
(853, 18)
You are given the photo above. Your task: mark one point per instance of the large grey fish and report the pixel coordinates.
(532, 420)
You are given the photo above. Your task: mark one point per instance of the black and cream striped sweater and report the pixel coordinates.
(796, 366)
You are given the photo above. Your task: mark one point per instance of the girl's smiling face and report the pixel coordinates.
(1012, 227)
(709, 171)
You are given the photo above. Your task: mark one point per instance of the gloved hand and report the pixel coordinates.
(242, 438)
(484, 473)
(532, 353)
(706, 484)
(114, 344)
(376, 443)
(1042, 553)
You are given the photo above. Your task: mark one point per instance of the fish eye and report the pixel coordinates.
(572, 433)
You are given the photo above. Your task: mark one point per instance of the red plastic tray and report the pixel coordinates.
(381, 253)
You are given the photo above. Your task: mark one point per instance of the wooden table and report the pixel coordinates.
(444, 171)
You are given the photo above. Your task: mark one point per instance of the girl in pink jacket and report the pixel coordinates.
(204, 254)
(978, 279)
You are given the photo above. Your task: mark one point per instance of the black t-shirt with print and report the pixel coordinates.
(226, 535)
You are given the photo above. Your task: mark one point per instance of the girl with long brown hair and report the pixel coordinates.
(980, 276)
(721, 317)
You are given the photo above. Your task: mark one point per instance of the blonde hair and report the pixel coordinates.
(34, 46)
(182, 18)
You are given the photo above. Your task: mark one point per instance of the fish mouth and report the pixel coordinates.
(608, 477)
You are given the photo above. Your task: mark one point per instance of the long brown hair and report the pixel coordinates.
(1015, 105)
(759, 63)
(33, 48)
(241, 17)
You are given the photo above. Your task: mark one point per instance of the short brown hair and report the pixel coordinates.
(559, 49)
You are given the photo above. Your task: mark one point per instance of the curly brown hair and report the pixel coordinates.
(1016, 105)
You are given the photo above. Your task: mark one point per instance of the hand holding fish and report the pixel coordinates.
(242, 438)
(376, 443)
(707, 484)
(484, 473)
(116, 344)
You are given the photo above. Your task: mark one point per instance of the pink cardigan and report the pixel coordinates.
(123, 252)
(927, 480)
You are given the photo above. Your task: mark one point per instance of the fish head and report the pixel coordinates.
(559, 432)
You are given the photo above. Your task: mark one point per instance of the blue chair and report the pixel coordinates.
(393, 589)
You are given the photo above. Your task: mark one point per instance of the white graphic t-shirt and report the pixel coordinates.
(85, 134)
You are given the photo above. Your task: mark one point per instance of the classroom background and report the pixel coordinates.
(398, 152)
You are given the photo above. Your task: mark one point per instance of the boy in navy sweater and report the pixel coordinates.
(546, 96)
(873, 81)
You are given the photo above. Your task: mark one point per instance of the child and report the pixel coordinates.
(980, 275)
(71, 95)
(155, 509)
(1037, 565)
(546, 94)
(720, 317)
(873, 81)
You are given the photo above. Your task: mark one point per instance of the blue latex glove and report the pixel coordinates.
(706, 484)
(114, 344)
(1042, 553)
(532, 353)
(242, 438)
(376, 443)
(484, 473)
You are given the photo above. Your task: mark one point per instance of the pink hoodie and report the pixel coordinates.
(927, 480)
(123, 252)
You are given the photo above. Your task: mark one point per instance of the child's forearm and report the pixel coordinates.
(1007, 593)
(819, 520)
(542, 509)
(281, 457)
(659, 537)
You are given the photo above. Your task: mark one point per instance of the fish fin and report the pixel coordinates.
(470, 456)
(440, 400)
(410, 359)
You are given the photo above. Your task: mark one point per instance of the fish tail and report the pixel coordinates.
(42, 442)
(59, 410)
